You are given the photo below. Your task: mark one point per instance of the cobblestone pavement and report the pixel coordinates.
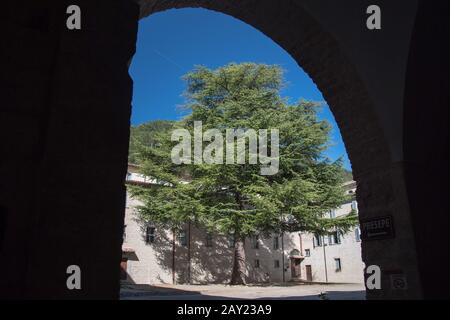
(223, 292)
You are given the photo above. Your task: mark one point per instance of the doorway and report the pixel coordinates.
(308, 273)
(295, 268)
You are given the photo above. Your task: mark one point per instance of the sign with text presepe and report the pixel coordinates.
(377, 228)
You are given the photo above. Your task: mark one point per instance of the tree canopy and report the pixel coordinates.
(236, 198)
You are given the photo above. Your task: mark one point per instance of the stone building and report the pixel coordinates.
(154, 255)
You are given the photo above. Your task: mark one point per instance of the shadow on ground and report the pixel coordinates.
(137, 290)
(148, 292)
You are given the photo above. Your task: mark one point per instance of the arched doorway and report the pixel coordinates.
(73, 167)
(325, 61)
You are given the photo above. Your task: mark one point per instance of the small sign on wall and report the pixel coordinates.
(399, 282)
(379, 228)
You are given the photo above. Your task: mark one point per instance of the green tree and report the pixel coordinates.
(235, 199)
(146, 135)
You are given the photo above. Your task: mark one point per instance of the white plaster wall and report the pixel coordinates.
(349, 251)
(214, 264)
(148, 268)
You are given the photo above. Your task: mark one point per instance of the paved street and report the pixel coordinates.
(223, 292)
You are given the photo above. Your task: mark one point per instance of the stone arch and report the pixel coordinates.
(320, 55)
(74, 87)
(381, 189)
(322, 58)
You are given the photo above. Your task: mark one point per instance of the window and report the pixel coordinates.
(337, 237)
(149, 235)
(255, 242)
(333, 214)
(317, 240)
(307, 253)
(182, 238)
(209, 240)
(355, 205)
(256, 263)
(231, 241)
(358, 234)
(276, 264)
(334, 238)
(276, 243)
(338, 264)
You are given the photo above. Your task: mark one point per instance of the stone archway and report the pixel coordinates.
(319, 54)
(74, 159)
(380, 184)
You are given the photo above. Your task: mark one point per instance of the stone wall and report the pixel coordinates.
(58, 118)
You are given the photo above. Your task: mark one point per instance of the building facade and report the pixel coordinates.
(155, 255)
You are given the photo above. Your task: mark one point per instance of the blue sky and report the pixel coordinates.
(171, 43)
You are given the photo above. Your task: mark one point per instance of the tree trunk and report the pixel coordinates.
(238, 274)
(173, 256)
(189, 253)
